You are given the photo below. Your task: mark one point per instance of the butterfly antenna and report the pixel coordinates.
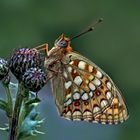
(91, 28)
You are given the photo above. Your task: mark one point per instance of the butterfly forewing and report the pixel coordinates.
(84, 92)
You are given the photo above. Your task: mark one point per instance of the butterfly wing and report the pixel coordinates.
(85, 92)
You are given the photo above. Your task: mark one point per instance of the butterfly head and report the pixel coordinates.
(62, 41)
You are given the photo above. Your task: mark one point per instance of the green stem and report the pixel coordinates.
(23, 113)
(17, 108)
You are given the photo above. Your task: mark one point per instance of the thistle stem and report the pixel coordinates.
(15, 118)
(23, 113)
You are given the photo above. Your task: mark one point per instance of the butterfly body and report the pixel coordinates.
(81, 89)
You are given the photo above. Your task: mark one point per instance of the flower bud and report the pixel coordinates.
(23, 59)
(34, 79)
(4, 69)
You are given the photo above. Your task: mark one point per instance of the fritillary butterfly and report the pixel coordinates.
(81, 89)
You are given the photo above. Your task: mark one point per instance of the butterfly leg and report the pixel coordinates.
(43, 47)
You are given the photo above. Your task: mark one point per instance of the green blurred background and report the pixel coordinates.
(114, 46)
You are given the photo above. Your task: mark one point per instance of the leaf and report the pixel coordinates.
(13, 85)
(30, 125)
(33, 101)
(3, 105)
(30, 105)
(6, 128)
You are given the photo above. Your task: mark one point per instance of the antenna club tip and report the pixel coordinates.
(100, 20)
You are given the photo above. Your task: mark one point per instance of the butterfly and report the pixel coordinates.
(81, 89)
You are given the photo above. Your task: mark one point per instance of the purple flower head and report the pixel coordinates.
(34, 79)
(4, 68)
(23, 59)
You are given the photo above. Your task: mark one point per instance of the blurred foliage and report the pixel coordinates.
(114, 46)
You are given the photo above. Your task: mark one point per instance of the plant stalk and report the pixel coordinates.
(23, 113)
(15, 118)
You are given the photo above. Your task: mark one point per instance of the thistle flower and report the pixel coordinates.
(34, 79)
(4, 69)
(23, 59)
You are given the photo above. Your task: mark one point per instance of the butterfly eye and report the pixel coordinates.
(62, 43)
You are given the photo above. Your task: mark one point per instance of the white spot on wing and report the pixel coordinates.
(68, 84)
(90, 68)
(92, 86)
(96, 109)
(109, 85)
(91, 94)
(72, 62)
(99, 74)
(108, 95)
(103, 122)
(68, 102)
(76, 96)
(68, 113)
(82, 65)
(77, 113)
(65, 74)
(84, 96)
(77, 80)
(97, 82)
(69, 69)
(87, 115)
(104, 103)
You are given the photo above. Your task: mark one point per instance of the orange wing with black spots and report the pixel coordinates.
(85, 92)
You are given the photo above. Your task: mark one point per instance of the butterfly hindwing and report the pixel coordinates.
(84, 92)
